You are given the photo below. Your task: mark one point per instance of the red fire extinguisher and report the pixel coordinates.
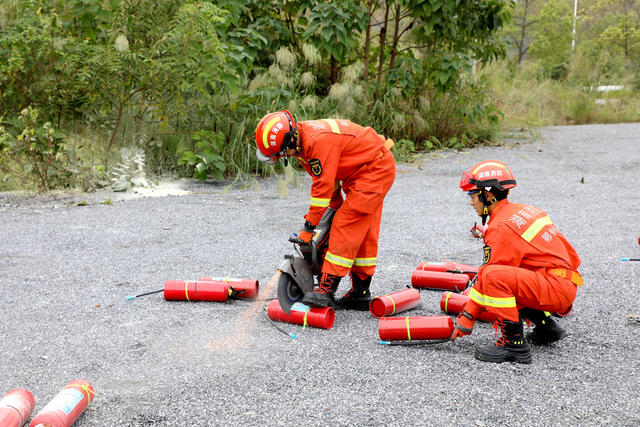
(449, 267)
(178, 290)
(428, 279)
(451, 303)
(16, 407)
(242, 288)
(66, 406)
(395, 302)
(301, 314)
(415, 328)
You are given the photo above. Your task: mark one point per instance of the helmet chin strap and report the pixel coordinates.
(485, 203)
(291, 141)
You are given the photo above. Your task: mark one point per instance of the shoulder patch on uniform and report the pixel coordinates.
(486, 254)
(316, 167)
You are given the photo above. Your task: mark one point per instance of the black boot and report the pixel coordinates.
(510, 347)
(358, 296)
(546, 331)
(322, 296)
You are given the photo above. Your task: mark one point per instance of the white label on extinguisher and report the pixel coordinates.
(65, 401)
(298, 306)
(10, 401)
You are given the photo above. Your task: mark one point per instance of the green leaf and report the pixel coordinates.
(188, 158)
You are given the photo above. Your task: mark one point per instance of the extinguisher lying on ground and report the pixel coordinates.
(449, 267)
(395, 302)
(452, 303)
(206, 289)
(66, 406)
(445, 275)
(16, 407)
(301, 314)
(415, 329)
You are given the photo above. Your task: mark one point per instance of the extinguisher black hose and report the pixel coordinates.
(461, 272)
(289, 334)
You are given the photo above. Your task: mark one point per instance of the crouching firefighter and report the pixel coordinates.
(529, 269)
(340, 156)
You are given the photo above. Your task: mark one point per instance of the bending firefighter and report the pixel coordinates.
(340, 156)
(529, 269)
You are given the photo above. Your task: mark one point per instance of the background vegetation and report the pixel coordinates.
(108, 92)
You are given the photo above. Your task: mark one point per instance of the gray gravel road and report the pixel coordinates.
(66, 269)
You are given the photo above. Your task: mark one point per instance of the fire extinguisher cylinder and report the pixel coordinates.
(178, 290)
(449, 267)
(66, 406)
(452, 303)
(301, 314)
(395, 302)
(427, 279)
(415, 328)
(16, 407)
(242, 288)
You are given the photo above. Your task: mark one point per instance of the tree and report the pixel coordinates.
(551, 44)
(519, 29)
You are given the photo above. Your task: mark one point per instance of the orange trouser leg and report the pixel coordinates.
(504, 289)
(354, 233)
(366, 258)
(348, 231)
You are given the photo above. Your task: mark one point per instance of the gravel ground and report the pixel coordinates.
(65, 270)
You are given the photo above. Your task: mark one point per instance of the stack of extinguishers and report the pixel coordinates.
(456, 279)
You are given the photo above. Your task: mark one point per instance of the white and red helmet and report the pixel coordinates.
(275, 133)
(487, 174)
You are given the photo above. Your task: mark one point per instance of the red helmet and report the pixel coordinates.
(274, 135)
(490, 173)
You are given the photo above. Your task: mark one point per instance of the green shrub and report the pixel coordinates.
(33, 150)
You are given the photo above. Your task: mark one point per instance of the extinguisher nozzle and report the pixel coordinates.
(129, 298)
(294, 336)
(384, 342)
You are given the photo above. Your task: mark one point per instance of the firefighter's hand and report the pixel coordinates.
(463, 326)
(478, 230)
(306, 234)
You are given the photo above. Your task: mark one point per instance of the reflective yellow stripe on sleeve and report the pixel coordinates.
(535, 228)
(492, 301)
(333, 125)
(338, 260)
(321, 203)
(365, 262)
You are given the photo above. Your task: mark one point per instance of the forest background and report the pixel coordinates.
(119, 92)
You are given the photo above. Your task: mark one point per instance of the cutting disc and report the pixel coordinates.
(288, 292)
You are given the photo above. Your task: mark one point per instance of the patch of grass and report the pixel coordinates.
(528, 100)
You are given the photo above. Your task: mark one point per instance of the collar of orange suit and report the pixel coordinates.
(496, 208)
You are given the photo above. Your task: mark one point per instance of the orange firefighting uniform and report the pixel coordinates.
(339, 150)
(527, 263)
